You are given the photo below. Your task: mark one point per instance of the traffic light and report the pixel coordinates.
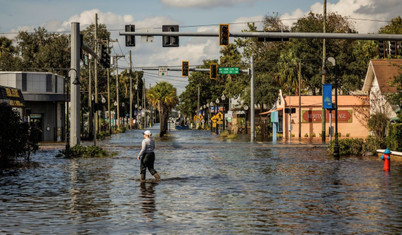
(263, 39)
(392, 48)
(130, 39)
(170, 41)
(184, 68)
(213, 71)
(381, 49)
(105, 58)
(223, 34)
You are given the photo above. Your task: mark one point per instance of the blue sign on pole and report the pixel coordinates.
(327, 96)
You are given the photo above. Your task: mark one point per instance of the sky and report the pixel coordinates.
(367, 16)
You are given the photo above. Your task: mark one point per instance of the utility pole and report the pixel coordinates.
(108, 92)
(131, 91)
(299, 75)
(143, 104)
(150, 110)
(96, 129)
(90, 116)
(138, 97)
(324, 55)
(107, 41)
(117, 88)
(198, 102)
(252, 108)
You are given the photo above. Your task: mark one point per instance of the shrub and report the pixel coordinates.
(372, 143)
(313, 134)
(84, 151)
(347, 147)
(378, 123)
(232, 136)
(394, 138)
(306, 135)
(348, 135)
(102, 135)
(121, 129)
(224, 134)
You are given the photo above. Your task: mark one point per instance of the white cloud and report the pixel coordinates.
(367, 15)
(204, 3)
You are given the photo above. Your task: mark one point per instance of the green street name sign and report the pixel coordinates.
(234, 70)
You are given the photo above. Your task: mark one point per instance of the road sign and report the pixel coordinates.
(231, 70)
(163, 70)
(220, 116)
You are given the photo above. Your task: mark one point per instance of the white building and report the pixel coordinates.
(377, 84)
(44, 95)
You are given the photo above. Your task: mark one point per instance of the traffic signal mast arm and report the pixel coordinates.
(352, 36)
(89, 50)
(190, 69)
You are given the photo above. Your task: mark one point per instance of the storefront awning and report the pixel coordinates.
(270, 111)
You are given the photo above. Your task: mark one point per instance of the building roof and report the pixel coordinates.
(385, 71)
(316, 101)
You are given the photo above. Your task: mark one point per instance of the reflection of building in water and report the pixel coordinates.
(44, 96)
(148, 200)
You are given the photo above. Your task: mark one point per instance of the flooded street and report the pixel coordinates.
(209, 186)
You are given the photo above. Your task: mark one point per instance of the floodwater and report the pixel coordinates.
(209, 186)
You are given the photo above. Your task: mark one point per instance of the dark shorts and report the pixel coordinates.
(147, 161)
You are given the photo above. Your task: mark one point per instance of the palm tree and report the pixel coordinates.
(163, 97)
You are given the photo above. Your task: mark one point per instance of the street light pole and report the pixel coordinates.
(217, 111)
(252, 106)
(336, 146)
(223, 104)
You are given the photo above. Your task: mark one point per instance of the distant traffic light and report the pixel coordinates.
(130, 39)
(170, 41)
(213, 71)
(184, 68)
(104, 58)
(381, 49)
(223, 34)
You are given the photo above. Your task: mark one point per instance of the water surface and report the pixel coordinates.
(210, 186)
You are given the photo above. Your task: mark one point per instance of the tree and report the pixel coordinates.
(396, 98)
(163, 97)
(89, 39)
(210, 90)
(43, 51)
(266, 56)
(9, 60)
(395, 27)
(309, 51)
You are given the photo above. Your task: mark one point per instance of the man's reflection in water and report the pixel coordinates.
(148, 199)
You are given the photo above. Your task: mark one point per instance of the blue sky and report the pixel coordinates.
(57, 15)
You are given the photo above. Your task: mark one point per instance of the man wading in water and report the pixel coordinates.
(147, 156)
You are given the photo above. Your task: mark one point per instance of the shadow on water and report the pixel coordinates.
(209, 185)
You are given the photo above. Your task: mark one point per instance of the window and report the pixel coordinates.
(48, 83)
(24, 82)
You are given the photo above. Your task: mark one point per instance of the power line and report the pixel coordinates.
(204, 25)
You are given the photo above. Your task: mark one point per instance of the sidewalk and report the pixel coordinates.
(52, 145)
